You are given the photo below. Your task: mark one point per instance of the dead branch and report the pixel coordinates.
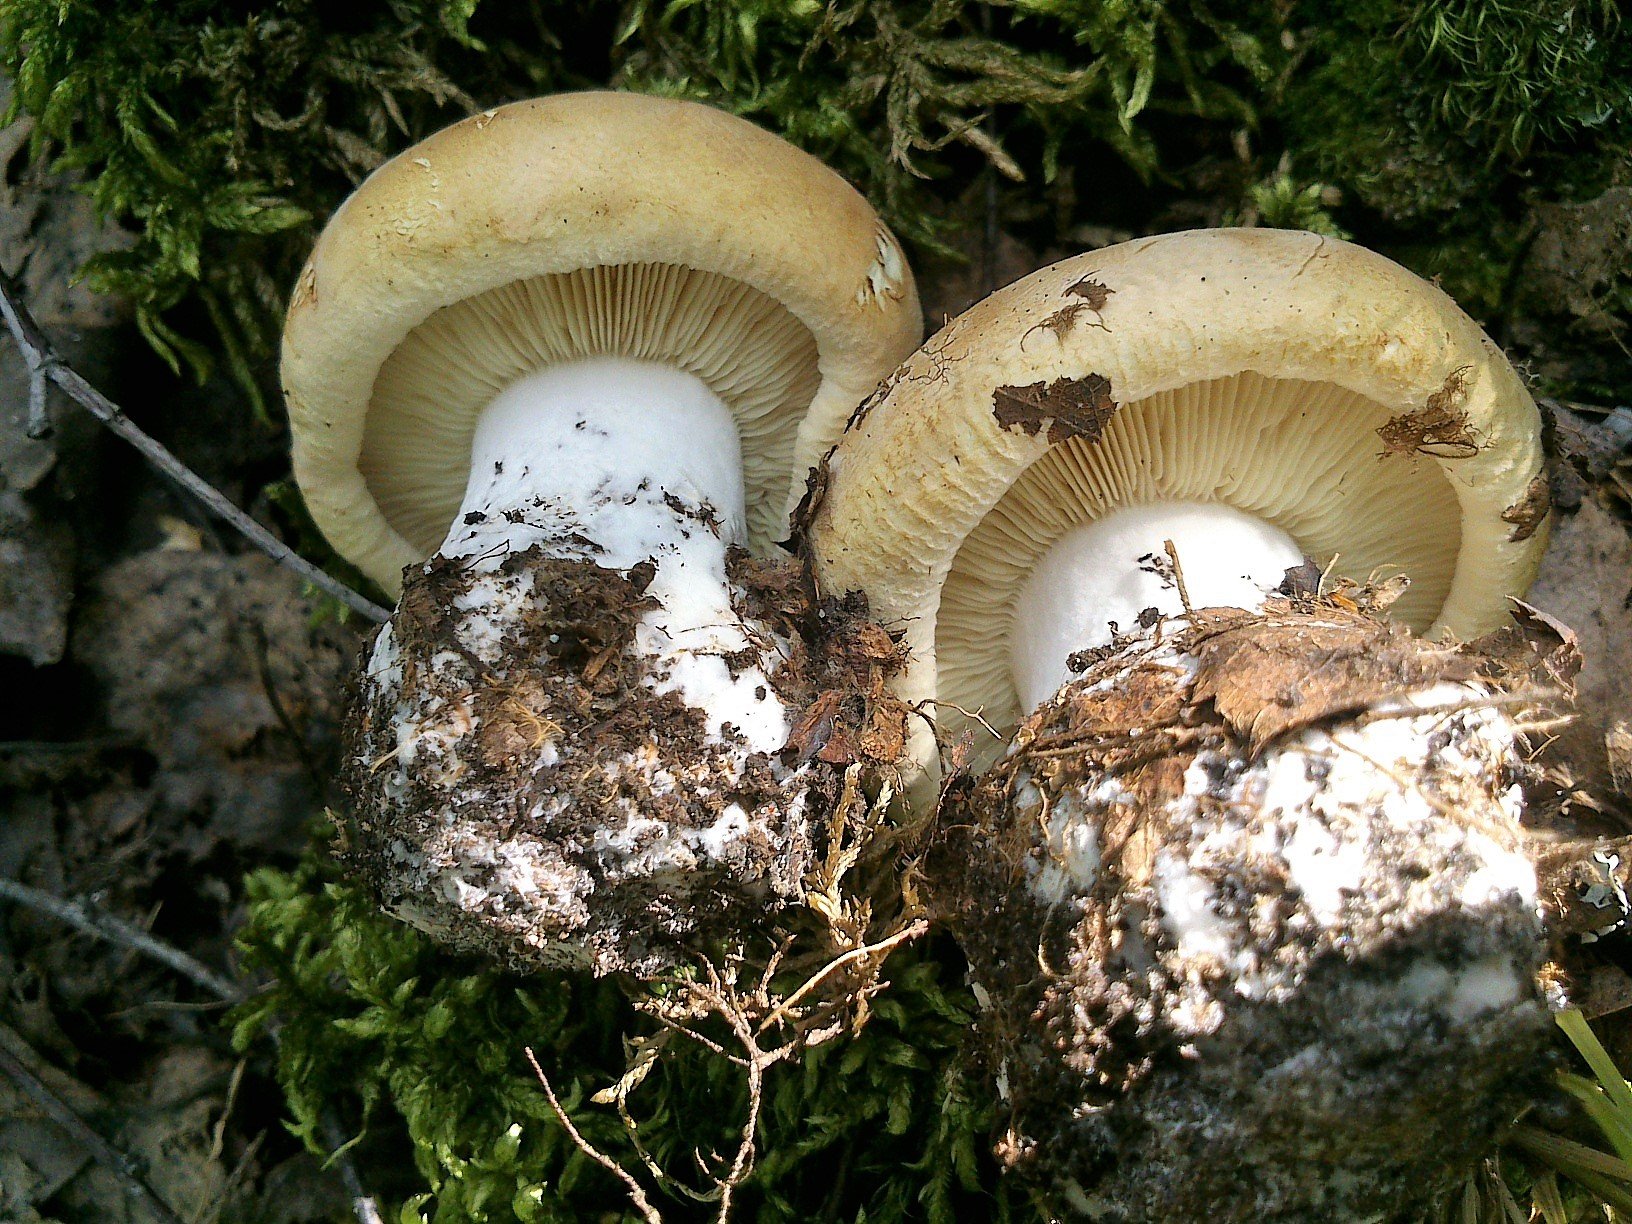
(91, 920)
(880, 949)
(120, 1164)
(46, 366)
(637, 1196)
(83, 916)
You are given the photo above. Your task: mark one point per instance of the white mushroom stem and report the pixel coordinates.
(619, 461)
(1111, 570)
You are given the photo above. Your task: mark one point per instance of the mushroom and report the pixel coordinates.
(549, 373)
(1245, 893)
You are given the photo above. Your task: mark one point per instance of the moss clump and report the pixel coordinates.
(1454, 122)
(1421, 107)
(899, 95)
(218, 131)
(425, 1052)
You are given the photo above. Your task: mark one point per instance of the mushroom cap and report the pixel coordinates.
(515, 239)
(1299, 378)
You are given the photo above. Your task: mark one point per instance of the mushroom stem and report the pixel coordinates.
(566, 740)
(1271, 863)
(1104, 576)
(620, 461)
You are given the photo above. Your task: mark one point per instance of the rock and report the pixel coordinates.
(36, 577)
(1586, 582)
(211, 663)
(48, 228)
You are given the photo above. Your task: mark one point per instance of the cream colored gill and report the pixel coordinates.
(1302, 456)
(750, 351)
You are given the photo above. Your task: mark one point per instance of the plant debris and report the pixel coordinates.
(1094, 295)
(1438, 429)
(1528, 513)
(1069, 407)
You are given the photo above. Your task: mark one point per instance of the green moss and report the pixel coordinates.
(1283, 202)
(903, 97)
(218, 132)
(1422, 106)
(221, 132)
(426, 1051)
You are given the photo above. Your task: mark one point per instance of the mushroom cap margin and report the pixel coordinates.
(558, 184)
(917, 471)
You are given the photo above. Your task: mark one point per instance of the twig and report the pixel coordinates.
(1178, 574)
(978, 716)
(104, 1153)
(39, 418)
(363, 1205)
(637, 1196)
(742, 1164)
(93, 921)
(84, 917)
(910, 932)
(46, 366)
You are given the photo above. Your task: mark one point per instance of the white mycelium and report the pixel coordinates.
(1378, 823)
(613, 462)
(1111, 570)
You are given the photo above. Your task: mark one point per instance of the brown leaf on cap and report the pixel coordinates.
(1270, 675)
(1070, 407)
(1092, 292)
(1439, 428)
(1527, 513)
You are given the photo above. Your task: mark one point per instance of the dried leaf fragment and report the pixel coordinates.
(1093, 297)
(1070, 407)
(1438, 429)
(1092, 292)
(1526, 514)
(814, 730)
(1269, 675)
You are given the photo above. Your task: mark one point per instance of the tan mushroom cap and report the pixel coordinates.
(571, 226)
(1298, 378)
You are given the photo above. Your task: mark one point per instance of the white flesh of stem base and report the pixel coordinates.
(642, 461)
(1111, 570)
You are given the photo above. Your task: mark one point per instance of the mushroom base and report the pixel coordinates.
(1248, 906)
(523, 783)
